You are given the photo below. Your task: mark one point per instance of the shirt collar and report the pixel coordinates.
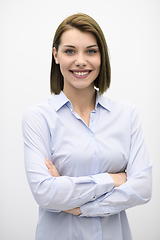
(59, 100)
(102, 101)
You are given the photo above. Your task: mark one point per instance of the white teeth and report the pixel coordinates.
(81, 73)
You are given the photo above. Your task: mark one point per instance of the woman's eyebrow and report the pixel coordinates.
(95, 45)
(69, 46)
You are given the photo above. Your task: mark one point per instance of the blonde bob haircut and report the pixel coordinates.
(83, 23)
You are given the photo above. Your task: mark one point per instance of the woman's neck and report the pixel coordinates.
(83, 100)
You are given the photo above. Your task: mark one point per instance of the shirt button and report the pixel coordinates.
(88, 214)
(97, 229)
(92, 135)
(94, 172)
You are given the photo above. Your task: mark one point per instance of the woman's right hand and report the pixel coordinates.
(118, 178)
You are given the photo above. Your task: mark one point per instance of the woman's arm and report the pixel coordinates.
(55, 193)
(137, 189)
(118, 178)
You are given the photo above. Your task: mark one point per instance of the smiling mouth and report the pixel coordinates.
(80, 73)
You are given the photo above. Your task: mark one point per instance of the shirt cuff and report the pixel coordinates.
(104, 182)
(93, 209)
(88, 209)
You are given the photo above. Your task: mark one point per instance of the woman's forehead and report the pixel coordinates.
(75, 37)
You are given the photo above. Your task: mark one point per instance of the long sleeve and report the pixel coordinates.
(61, 193)
(137, 189)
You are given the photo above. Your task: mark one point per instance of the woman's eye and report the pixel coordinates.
(91, 51)
(69, 51)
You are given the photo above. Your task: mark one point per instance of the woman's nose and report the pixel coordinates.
(80, 60)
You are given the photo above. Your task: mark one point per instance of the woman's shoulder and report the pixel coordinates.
(120, 105)
(123, 111)
(39, 110)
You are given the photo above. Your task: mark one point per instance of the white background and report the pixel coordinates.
(132, 31)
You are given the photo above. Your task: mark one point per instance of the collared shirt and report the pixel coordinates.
(84, 155)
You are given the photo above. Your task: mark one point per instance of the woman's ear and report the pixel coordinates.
(55, 54)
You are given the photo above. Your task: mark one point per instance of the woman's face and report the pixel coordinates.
(79, 58)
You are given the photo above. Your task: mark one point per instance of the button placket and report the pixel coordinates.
(95, 152)
(97, 228)
(95, 155)
(92, 118)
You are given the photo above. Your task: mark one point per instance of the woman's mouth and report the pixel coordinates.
(81, 73)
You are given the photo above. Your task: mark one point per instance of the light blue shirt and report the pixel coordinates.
(84, 156)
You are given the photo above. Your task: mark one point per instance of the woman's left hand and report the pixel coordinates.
(51, 168)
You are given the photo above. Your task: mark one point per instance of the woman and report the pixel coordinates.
(85, 156)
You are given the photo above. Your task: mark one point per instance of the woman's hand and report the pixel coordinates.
(51, 168)
(74, 211)
(119, 178)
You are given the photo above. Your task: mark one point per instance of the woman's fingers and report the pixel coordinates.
(51, 168)
(48, 163)
(74, 211)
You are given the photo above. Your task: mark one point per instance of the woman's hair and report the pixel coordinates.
(83, 23)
